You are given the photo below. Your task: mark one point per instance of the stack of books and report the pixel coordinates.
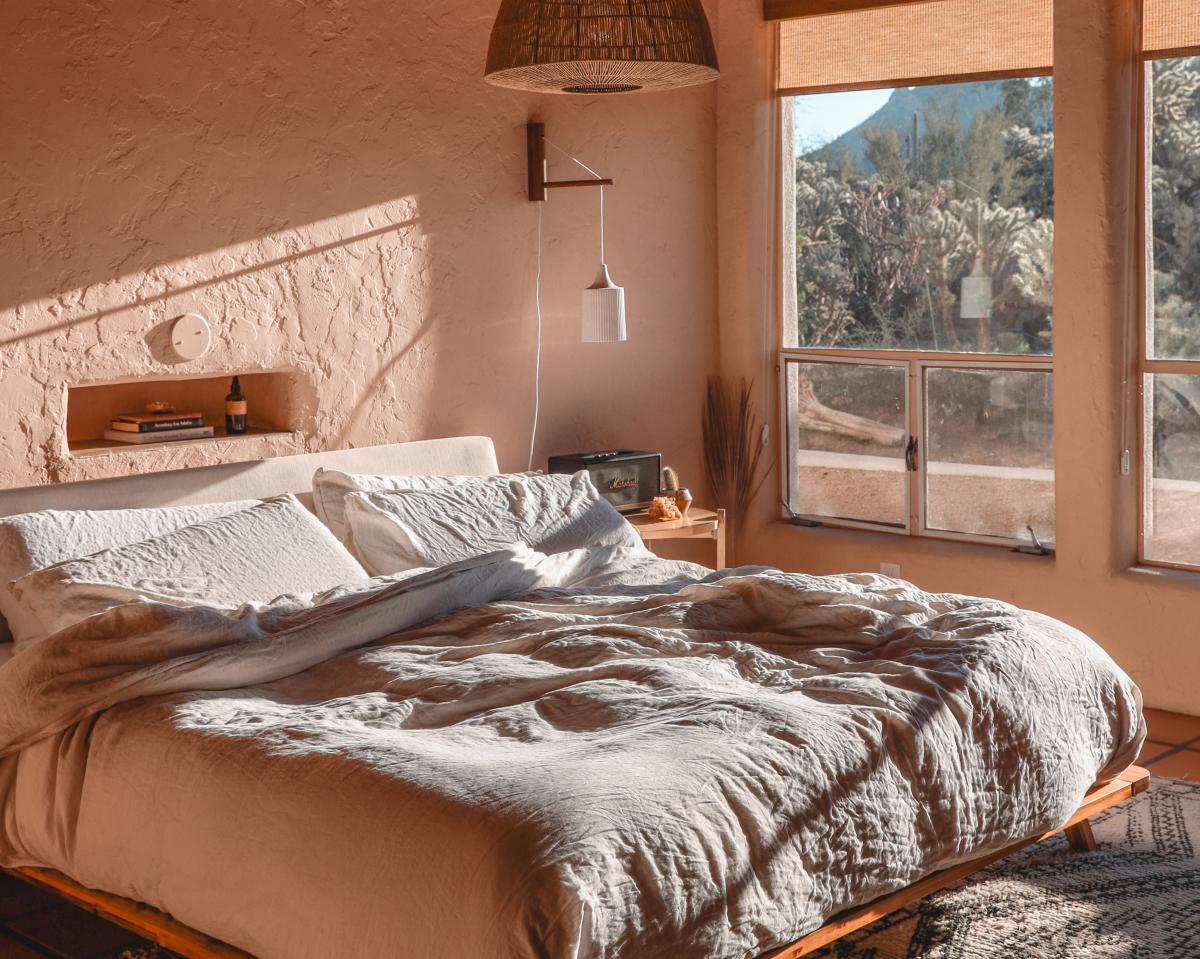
(158, 427)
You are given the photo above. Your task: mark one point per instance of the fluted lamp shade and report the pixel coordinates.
(604, 310)
(600, 46)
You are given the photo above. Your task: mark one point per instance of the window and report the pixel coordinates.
(1170, 357)
(917, 320)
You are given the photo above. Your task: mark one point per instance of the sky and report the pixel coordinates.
(821, 117)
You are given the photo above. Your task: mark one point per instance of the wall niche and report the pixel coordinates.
(280, 407)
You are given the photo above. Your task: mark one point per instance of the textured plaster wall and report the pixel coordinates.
(1146, 620)
(334, 187)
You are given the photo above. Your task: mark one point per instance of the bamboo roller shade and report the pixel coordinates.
(1171, 26)
(885, 43)
(903, 45)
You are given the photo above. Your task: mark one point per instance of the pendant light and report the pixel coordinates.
(603, 304)
(600, 46)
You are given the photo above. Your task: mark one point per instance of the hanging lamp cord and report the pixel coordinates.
(537, 296)
(583, 166)
(537, 361)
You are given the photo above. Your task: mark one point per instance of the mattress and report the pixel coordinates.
(588, 755)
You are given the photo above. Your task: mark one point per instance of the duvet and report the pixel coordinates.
(593, 754)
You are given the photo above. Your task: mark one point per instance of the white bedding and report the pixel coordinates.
(394, 530)
(33, 541)
(251, 555)
(330, 487)
(639, 760)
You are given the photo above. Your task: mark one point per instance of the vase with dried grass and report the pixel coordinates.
(733, 452)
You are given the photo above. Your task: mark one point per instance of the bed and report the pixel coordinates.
(585, 753)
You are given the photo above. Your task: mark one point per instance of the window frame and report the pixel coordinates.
(915, 364)
(915, 360)
(1146, 367)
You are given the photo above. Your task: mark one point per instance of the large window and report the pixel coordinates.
(1171, 351)
(918, 321)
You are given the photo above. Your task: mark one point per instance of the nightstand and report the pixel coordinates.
(696, 524)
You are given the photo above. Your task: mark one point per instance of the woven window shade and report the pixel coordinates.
(937, 41)
(1171, 27)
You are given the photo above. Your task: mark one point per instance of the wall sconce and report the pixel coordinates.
(603, 303)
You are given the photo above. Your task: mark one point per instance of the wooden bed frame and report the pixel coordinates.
(171, 934)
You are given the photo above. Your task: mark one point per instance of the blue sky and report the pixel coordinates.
(821, 117)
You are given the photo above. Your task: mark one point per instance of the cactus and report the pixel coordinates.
(670, 479)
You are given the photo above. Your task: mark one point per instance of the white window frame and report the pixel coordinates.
(915, 362)
(1147, 366)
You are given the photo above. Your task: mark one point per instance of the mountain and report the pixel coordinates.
(964, 99)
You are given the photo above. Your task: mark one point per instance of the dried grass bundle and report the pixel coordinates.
(732, 447)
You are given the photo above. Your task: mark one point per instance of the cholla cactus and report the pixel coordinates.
(1035, 263)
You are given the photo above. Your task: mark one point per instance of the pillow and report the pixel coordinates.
(254, 555)
(331, 487)
(30, 541)
(395, 530)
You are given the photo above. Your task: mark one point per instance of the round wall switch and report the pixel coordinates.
(191, 336)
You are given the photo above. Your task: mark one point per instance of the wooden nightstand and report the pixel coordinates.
(697, 524)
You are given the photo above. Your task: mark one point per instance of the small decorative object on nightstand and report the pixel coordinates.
(697, 524)
(672, 488)
(663, 509)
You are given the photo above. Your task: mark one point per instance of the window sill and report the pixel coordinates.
(918, 542)
(1163, 574)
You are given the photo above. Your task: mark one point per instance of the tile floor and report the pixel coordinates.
(35, 925)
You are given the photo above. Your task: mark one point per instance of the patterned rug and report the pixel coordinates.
(1136, 897)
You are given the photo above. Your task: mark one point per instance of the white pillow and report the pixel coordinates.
(331, 487)
(30, 541)
(254, 555)
(395, 530)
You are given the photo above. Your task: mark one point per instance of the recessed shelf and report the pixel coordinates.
(101, 447)
(277, 404)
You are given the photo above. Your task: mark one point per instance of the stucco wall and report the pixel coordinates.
(1146, 620)
(335, 188)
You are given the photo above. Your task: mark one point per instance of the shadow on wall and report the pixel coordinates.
(170, 130)
(337, 191)
(198, 286)
(294, 172)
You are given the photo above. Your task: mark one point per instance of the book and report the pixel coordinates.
(158, 417)
(162, 436)
(156, 426)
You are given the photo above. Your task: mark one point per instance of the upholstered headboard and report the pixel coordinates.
(458, 455)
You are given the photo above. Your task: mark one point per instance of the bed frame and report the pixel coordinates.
(473, 455)
(161, 928)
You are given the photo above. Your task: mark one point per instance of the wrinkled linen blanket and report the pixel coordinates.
(595, 756)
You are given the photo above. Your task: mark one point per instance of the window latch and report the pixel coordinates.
(1036, 548)
(910, 454)
(795, 518)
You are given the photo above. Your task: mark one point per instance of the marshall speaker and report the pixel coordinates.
(629, 479)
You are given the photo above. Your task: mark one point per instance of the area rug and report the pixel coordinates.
(1136, 897)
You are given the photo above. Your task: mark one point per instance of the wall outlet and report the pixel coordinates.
(890, 569)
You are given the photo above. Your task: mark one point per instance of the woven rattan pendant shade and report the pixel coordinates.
(600, 46)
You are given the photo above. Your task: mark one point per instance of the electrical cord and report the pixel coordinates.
(537, 362)
(537, 297)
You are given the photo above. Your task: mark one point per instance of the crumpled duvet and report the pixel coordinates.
(585, 755)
